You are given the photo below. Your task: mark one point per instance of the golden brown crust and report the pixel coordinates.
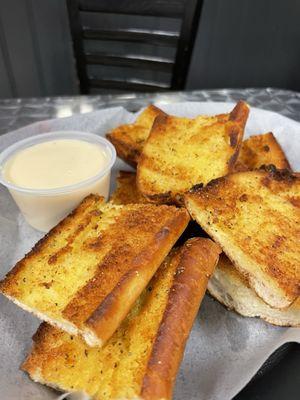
(127, 191)
(254, 217)
(109, 249)
(129, 139)
(261, 150)
(240, 113)
(142, 358)
(196, 262)
(182, 152)
(126, 152)
(106, 317)
(69, 227)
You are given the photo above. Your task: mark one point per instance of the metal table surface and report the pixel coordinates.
(279, 377)
(15, 113)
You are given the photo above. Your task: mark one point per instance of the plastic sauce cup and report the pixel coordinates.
(44, 208)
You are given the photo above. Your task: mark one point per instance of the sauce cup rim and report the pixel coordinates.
(9, 152)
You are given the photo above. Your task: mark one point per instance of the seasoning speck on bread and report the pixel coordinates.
(255, 217)
(87, 272)
(142, 357)
(183, 152)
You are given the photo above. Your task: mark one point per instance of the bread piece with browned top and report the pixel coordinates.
(85, 275)
(230, 288)
(255, 217)
(129, 139)
(183, 152)
(141, 359)
(127, 191)
(261, 150)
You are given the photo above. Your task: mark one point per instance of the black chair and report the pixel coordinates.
(104, 21)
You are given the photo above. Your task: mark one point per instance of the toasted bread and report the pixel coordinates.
(182, 152)
(255, 217)
(129, 139)
(261, 150)
(230, 288)
(127, 191)
(141, 359)
(87, 272)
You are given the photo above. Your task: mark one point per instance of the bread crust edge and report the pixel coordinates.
(185, 297)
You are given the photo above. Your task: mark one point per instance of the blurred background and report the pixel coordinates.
(58, 47)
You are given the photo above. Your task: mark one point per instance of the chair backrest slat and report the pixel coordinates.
(154, 8)
(134, 85)
(159, 38)
(149, 63)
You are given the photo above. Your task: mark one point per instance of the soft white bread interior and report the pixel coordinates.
(229, 287)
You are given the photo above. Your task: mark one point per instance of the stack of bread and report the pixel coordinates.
(250, 208)
(118, 284)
